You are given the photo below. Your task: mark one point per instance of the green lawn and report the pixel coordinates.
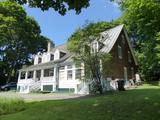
(142, 103)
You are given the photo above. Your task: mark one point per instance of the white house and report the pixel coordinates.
(55, 70)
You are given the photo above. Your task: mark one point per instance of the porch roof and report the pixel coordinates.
(47, 64)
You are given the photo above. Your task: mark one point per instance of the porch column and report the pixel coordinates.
(76, 89)
(19, 75)
(34, 75)
(73, 72)
(26, 75)
(42, 73)
(41, 78)
(55, 77)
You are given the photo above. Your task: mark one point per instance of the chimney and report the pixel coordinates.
(50, 46)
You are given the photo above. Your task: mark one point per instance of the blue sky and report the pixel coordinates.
(59, 28)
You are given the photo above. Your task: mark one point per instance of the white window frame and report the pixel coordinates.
(94, 47)
(50, 72)
(71, 74)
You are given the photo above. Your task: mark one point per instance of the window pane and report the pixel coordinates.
(38, 73)
(30, 74)
(120, 52)
(52, 57)
(23, 74)
(48, 72)
(94, 47)
(78, 74)
(69, 75)
(39, 60)
(62, 54)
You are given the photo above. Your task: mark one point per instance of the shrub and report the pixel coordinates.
(11, 105)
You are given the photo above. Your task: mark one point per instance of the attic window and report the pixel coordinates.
(123, 39)
(120, 52)
(129, 57)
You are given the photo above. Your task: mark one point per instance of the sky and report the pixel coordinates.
(59, 28)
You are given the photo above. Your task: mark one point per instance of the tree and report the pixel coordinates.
(58, 5)
(19, 38)
(82, 45)
(143, 23)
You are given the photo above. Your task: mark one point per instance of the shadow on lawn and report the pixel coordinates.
(155, 83)
(150, 91)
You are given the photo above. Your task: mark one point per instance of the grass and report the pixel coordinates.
(142, 103)
(11, 105)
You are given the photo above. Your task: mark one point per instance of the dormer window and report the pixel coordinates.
(94, 47)
(119, 52)
(39, 60)
(100, 45)
(62, 54)
(51, 57)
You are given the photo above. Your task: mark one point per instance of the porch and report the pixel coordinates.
(33, 79)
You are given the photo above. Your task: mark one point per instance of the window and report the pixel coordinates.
(69, 75)
(129, 57)
(62, 54)
(94, 47)
(120, 52)
(38, 74)
(52, 57)
(48, 72)
(123, 39)
(39, 60)
(30, 74)
(101, 45)
(23, 74)
(78, 74)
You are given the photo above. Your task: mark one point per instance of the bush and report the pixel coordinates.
(11, 105)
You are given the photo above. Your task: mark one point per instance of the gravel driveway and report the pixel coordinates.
(39, 96)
